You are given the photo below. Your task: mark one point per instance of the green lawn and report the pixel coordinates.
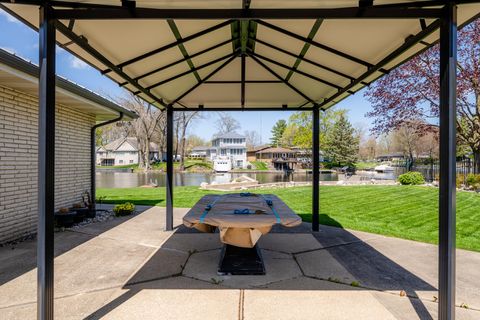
(409, 212)
(259, 165)
(362, 165)
(189, 164)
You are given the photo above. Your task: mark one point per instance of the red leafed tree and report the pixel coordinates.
(410, 93)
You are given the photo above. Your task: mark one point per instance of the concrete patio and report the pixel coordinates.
(129, 268)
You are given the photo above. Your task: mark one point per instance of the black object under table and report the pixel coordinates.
(240, 261)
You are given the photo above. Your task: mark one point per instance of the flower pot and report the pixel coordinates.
(65, 219)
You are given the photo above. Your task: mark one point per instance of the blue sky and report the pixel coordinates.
(23, 41)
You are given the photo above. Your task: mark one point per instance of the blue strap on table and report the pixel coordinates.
(268, 201)
(243, 211)
(240, 211)
(207, 209)
(270, 204)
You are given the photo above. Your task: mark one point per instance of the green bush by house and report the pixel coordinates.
(411, 178)
(124, 209)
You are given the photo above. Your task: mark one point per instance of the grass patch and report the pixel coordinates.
(189, 164)
(363, 165)
(260, 165)
(409, 212)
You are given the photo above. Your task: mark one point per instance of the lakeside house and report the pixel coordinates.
(396, 156)
(252, 153)
(230, 145)
(124, 151)
(77, 110)
(199, 152)
(279, 158)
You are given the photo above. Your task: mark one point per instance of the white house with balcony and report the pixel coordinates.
(123, 151)
(229, 145)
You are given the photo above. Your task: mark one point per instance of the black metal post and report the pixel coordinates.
(316, 170)
(447, 204)
(93, 156)
(46, 164)
(169, 182)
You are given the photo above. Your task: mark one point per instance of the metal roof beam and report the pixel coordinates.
(211, 74)
(171, 45)
(283, 80)
(242, 87)
(181, 47)
(328, 83)
(83, 5)
(306, 60)
(306, 46)
(315, 43)
(235, 108)
(194, 69)
(82, 43)
(218, 45)
(373, 12)
(239, 82)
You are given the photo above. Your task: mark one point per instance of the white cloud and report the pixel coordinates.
(8, 16)
(78, 64)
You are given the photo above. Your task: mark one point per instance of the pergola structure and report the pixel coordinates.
(224, 55)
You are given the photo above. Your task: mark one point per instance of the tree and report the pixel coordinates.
(184, 119)
(252, 138)
(342, 143)
(277, 132)
(193, 141)
(299, 129)
(368, 148)
(226, 123)
(288, 137)
(144, 127)
(411, 92)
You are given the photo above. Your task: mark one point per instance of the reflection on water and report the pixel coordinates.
(135, 179)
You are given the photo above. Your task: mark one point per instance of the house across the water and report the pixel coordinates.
(232, 146)
(124, 151)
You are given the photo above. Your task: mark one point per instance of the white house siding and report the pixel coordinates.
(233, 148)
(19, 161)
(126, 154)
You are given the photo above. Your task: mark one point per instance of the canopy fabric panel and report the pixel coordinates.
(245, 63)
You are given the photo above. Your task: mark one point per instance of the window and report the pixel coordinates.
(131, 161)
(236, 151)
(120, 161)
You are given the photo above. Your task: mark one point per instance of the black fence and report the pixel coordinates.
(430, 168)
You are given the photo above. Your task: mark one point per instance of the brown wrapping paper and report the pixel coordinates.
(241, 230)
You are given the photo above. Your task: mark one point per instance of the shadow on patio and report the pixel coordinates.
(297, 262)
(131, 268)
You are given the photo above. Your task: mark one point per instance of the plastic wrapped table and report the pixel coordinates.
(241, 218)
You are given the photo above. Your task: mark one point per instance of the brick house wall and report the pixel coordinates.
(19, 166)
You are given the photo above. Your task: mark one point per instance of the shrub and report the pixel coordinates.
(124, 209)
(411, 178)
(473, 181)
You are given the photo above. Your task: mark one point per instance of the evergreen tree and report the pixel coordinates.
(277, 132)
(342, 144)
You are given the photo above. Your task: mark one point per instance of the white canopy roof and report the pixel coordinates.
(192, 63)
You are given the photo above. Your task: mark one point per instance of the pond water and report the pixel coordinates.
(135, 179)
(115, 179)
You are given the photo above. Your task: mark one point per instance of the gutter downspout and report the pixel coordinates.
(93, 155)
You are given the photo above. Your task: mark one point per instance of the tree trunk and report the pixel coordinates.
(147, 154)
(476, 161)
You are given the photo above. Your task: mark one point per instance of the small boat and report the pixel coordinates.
(384, 168)
(222, 164)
